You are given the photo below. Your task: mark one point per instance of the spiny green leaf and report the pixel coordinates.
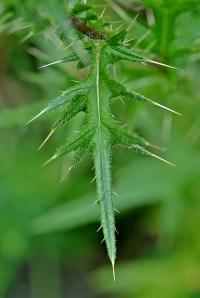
(81, 153)
(70, 58)
(99, 99)
(68, 95)
(117, 39)
(118, 90)
(142, 151)
(142, 98)
(87, 15)
(121, 136)
(78, 156)
(80, 7)
(77, 142)
(74, 107)
(117, 53)
(93, 96)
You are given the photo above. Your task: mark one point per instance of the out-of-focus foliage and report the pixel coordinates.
(46, 225)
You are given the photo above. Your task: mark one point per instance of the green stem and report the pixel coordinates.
(164, 31)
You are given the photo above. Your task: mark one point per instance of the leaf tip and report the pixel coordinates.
(113, 269)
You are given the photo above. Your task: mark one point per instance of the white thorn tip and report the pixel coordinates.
(117, 210)
(37, 116)
(156, 147)
(99, 229)
(52, 63)
(103, 12)
(96, 202)
(113, 269)
(165, 108)
(65, 174)
(132, 22)
(116, 194)
(49, 160)
(162, 64)
(47, 138)
(155, 103)
(165, 161)
(93, 179)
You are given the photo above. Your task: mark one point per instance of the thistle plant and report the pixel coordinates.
(103, 47)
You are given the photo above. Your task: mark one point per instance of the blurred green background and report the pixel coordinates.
(49, 246)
